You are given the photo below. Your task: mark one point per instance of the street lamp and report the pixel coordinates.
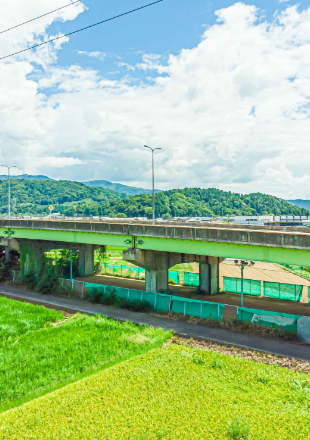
(153, 178)
(72, 251)
(242, 264)
(9, 188)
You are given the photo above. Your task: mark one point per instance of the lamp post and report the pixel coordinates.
(72, 251)
(153, 178)
(242, 264)
(9, 188)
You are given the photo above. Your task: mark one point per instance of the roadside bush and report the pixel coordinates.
(110, 299)
(5, 271)
(135, 306)
(30, 280)
(48, 283)
(94, 296)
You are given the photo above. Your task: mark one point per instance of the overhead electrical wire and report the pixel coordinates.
(40, 16)
(82, 29)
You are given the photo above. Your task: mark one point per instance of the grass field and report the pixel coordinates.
(171, 393)
(17, 318)
(43, 359)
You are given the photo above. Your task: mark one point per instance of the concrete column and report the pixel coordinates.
(215, 275)
(204, 278)
(209, 276)
(32, 257)
(156, 280)
(156, 266)
(7, 253)
(86, 261)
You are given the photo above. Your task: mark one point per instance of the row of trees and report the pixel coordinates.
(35, 196)
(190, 202)
(73, 198)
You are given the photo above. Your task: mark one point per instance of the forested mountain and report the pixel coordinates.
(118, 187)
(33, 197)
(30, 197)
(194, 201)
(25, 177)
(300, 203)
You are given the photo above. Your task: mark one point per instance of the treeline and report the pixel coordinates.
(76, 199)
(33, 197)
(191, 202)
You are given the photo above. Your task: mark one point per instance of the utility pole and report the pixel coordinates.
(153, 178)
(242, 264)
(9, 188)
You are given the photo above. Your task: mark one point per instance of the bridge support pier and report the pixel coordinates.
(157, 264)
(7, 253)
(209, 276)
(86, 261)
(32, 258)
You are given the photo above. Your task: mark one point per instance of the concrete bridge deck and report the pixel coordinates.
(269, 244)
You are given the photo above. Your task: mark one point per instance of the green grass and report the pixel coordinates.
(171, 393)
(41, 361)
(16, 317)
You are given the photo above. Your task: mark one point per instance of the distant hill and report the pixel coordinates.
(118, 187)
(300, 203)
(190, 202)
(32, 197)
(25, 177)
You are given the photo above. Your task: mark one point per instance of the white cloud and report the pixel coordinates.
(100, 55)
(53, 161)
(232, 112)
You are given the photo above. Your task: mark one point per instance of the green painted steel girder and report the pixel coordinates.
(71, 237)
(270, 254)
(298, 257)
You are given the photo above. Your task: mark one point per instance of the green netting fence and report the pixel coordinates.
(200, 309)
(289, 292)
(174, 277)
(138, 272)
(250, 287)
(191, 279)
(269, 319)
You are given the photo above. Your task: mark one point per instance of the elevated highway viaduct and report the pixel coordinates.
(157, 247)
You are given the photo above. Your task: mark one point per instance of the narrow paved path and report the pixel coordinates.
(282, 348)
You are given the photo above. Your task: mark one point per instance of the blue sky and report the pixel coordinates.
(222, 87)
(165, 28)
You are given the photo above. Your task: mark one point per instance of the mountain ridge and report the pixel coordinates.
(119, 187)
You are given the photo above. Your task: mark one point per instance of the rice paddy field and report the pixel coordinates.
(55, 351)
(92, 378)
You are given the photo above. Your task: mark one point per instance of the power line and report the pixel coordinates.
(40, 16)
(82, 29)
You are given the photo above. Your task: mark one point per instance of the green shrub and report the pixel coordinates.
(94, 295)
(135, 306)
(238, 429)
(48, 283)
(30, 280)
(5, 271)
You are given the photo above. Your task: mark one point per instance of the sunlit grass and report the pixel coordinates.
(16, 317)
(170, 393)
(40, 361)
